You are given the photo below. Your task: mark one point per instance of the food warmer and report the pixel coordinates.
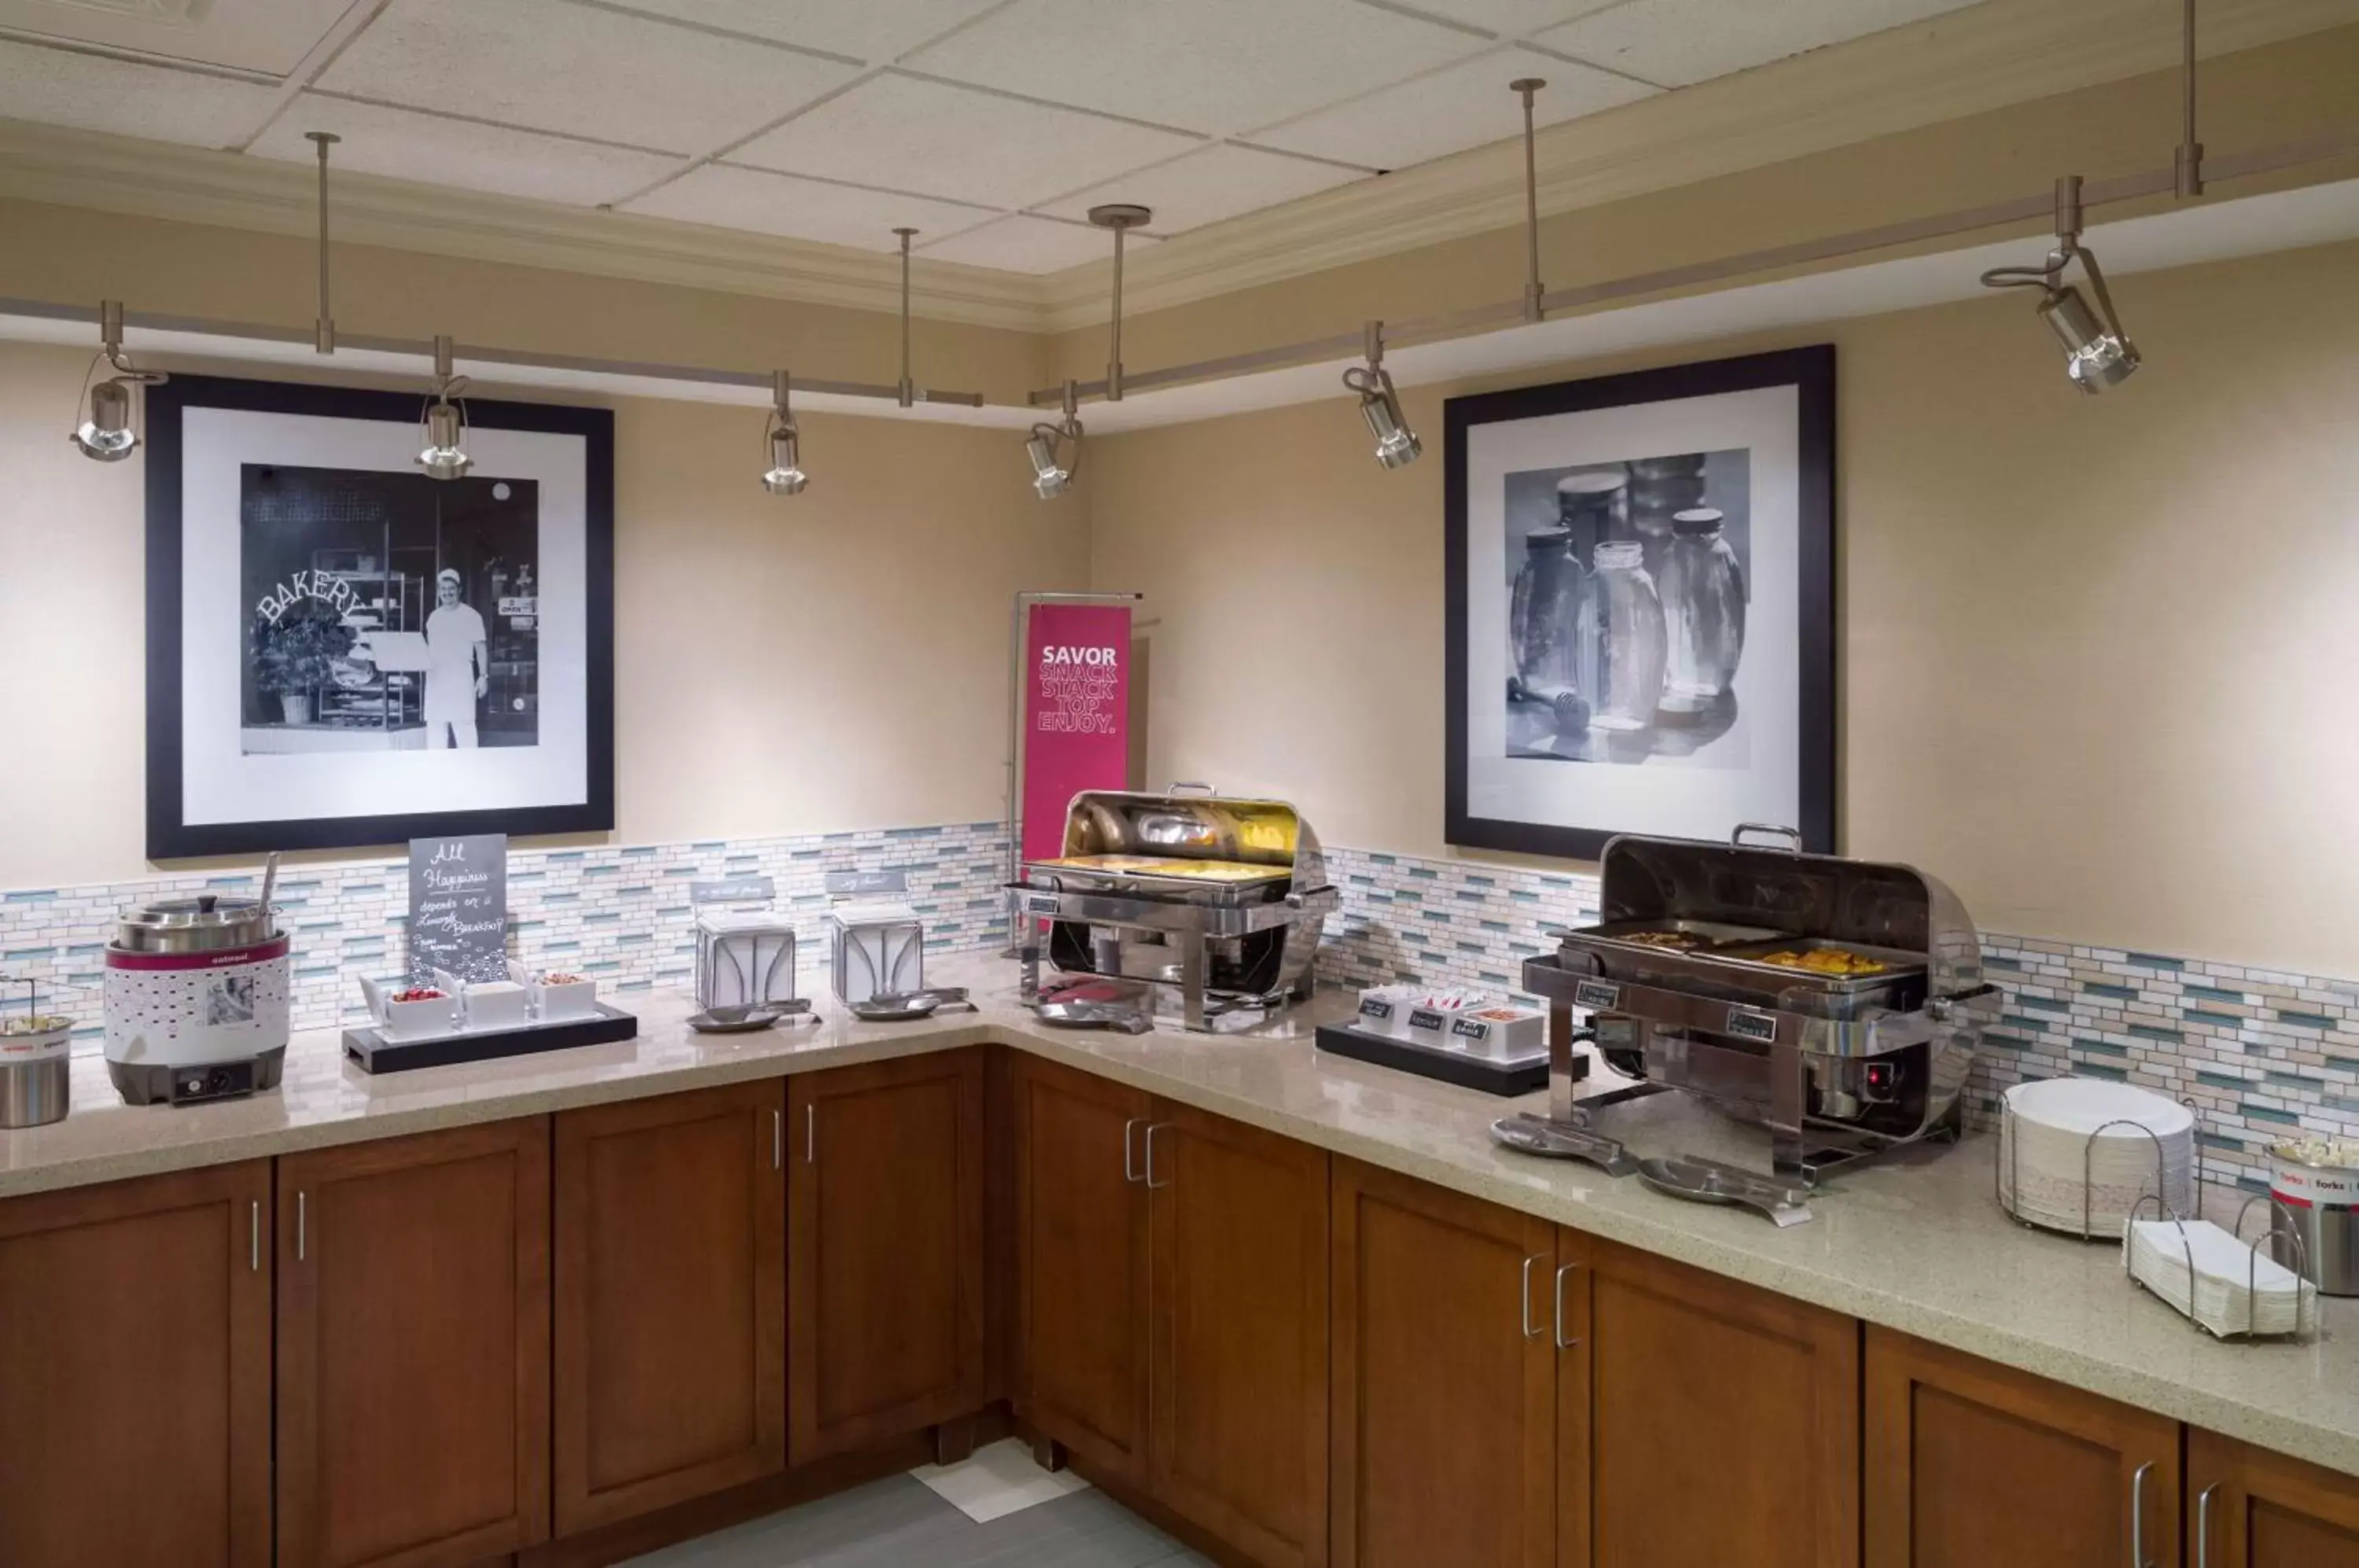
(1838, 1003)
(1220, 898)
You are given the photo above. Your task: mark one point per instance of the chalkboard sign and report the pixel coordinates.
(458, 908)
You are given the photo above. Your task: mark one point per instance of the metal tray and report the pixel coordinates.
(1733, 968)
(1141, 883)
(1708, 933)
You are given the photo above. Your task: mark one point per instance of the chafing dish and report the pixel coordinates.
(1838, 1003)
(1221, 899)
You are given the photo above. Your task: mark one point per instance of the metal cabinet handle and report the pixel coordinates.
(2138, 1558)
(254, 1237)
(1130, 1172)
(810, 1132)
(2203, 1526)
(1557, 1292)
(778, 1140)
(1524, 1304)
(300, 1225)
(1152, 1185)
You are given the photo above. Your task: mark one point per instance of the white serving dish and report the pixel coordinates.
(1500, 1029)
(553, 1001)
(409, 1020)
(1384, 1009)
(496, 1004)
(1427, 1019)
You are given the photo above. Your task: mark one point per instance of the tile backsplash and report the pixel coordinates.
(2262, 1054)
(621, 913)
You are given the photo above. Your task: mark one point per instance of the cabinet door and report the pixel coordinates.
(413, 1349)
(134, 1373)
(1971, 1464)
(1238, 1333)
(1082, 1263)
(2252, 1508)
(885, 1324)
(1719, 1423)
(671, 1309)
(1443, 1376)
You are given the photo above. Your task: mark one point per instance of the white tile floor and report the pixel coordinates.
(998, 1510)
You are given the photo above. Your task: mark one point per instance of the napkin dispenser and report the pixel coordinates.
(876, 945)
(744, 956)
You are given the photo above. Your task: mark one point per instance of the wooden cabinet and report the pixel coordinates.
(885, 1274)
(134, 1373)
(1082, 1269)
(1237, 1333)
(1444, 1373)
(671, 1301)
(2250, 1508)
(413, 1349)
(1716, 1423)
(1971, 1464)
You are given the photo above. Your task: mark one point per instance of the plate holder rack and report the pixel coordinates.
(2010, 1176)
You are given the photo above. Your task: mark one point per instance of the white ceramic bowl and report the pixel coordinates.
(573, 999)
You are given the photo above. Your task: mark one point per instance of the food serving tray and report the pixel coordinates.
(370, 1051)
(1731, 965)
(1221, 881)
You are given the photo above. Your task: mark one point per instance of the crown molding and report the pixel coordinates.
(1965, 63)
(197, 185)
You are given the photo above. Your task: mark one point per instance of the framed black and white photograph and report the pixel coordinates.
(1640, 580)
(342, 651)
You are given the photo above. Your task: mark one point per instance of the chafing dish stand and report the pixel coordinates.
(1221, 899)
(1689, 980)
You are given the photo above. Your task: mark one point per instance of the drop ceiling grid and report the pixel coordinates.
(991, 125)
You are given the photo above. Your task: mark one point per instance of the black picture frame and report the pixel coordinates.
(170, 837)
(1811, 372)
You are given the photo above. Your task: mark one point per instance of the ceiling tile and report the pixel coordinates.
(403, 144)
(1204, 186)
(875, 30)
(1462, 107)
(801, 209)
(90, 92)
(1510, 18)
(255, 35)
(1029, 245)
(1681, 42)
(545, 65)
(1217, 66)
(956, 142)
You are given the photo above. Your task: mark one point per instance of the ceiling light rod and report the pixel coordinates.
(1121, 217)
(1535, 296)
(1732, 268)
(2190, 159)
(255, 332)
(324, 338)
(903, 391)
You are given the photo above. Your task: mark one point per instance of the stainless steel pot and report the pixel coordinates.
(34, 1071)
(204, 923)
(2317, 1200)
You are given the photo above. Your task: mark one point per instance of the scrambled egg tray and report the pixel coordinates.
(1153, 865)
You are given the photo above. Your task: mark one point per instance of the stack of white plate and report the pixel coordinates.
(2218, 1281)
(2057, 1170)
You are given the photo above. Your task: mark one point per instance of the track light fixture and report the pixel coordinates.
(783, 439)
(444, 422)
(1397, 444)
(323, 332)
(2097, 354)
(1055, 450)
(106, 433)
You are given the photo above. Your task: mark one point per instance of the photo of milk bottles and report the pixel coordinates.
(1626, 610)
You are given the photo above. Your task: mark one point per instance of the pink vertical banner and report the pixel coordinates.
(1076, 714)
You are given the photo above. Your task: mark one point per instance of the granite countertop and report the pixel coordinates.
(1916, 1243)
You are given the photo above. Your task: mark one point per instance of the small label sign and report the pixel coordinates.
(1474, 1029)
(1747, 1024)
(1596, 996)
(1425, 1019)
(1041, 903)
(1375, 1008)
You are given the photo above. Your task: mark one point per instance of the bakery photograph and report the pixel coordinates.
(1264, 783)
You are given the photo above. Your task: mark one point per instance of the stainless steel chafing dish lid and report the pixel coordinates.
(204, 923)
(1870, 903)
(1186, 827)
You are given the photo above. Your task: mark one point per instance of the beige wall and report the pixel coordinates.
(836, 661)
(2096, 654)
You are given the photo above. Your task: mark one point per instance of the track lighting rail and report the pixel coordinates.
(1912, 231)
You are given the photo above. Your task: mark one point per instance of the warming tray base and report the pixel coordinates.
(372, 1053)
